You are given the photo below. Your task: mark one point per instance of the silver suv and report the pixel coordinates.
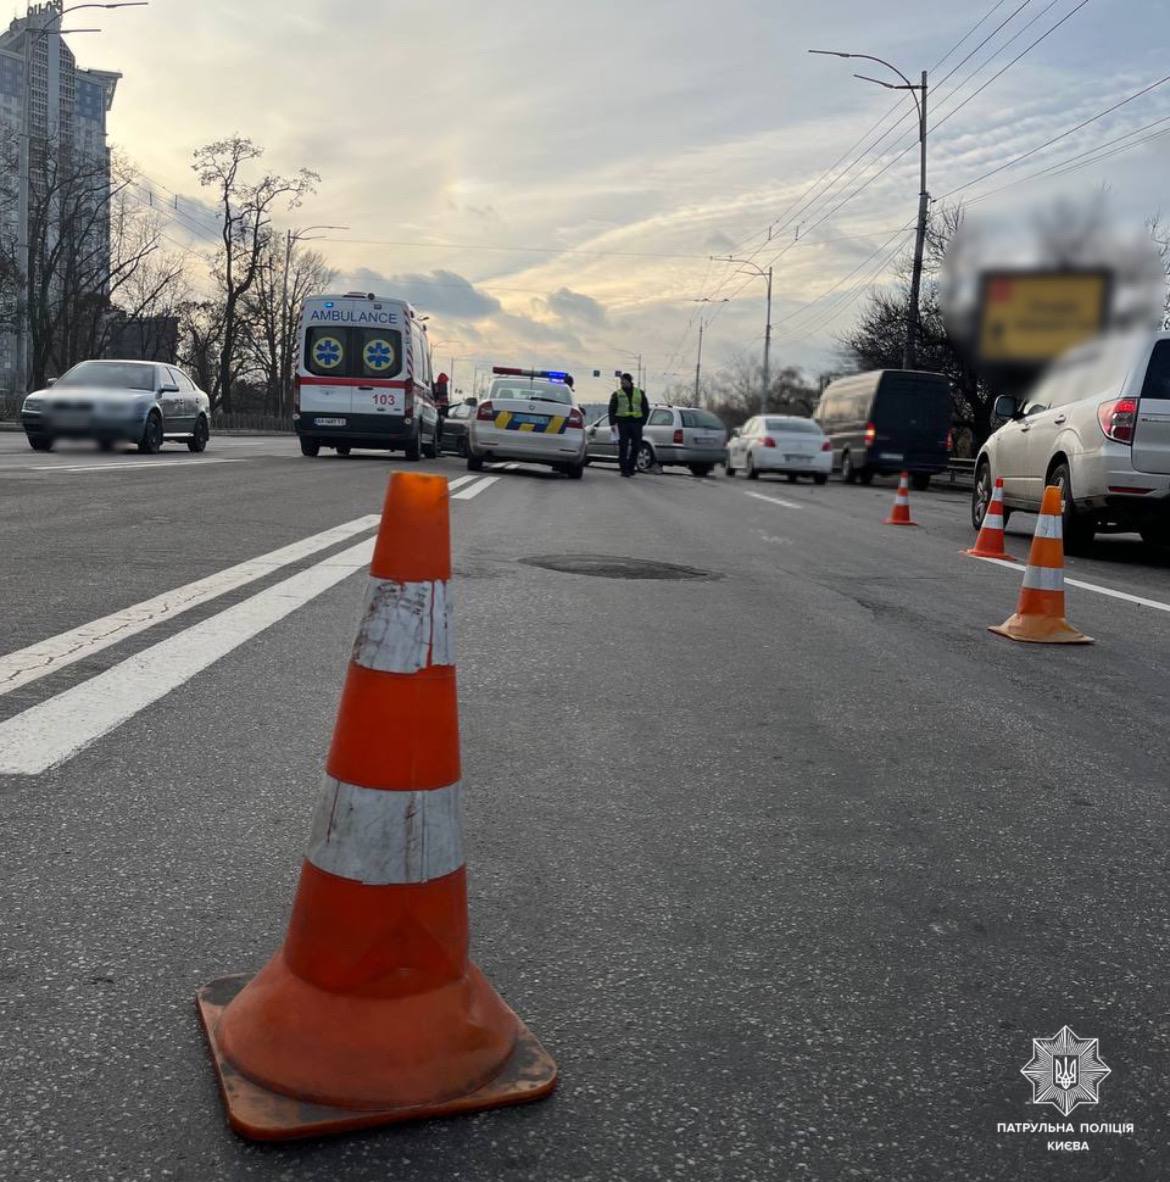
(1098, 425)
(682, 436)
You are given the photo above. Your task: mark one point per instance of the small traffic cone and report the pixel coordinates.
(989, 543)
(1039, 616)
(371, 1012)
(900, 513)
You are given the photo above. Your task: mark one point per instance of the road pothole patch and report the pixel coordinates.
(610, 566)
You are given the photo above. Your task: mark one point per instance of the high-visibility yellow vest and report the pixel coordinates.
(629, 406)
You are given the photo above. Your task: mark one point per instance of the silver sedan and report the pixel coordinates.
(142, 402)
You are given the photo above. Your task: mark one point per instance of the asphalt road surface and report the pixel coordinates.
(787, 864)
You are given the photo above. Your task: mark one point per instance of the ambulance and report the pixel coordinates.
(363, 377)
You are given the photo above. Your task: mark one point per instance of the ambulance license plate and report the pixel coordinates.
(330, 422)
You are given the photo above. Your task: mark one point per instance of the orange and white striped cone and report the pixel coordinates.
(900, 513)
(1039, 617)
(371, 1012)
(989, 543)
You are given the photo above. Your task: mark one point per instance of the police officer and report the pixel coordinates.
(628, 411)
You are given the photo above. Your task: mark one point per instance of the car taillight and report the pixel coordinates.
(949, 442)
(870, 434)
(769, 441)
(576, 419)
(827, 445)
(1117, 419)
(678, 436)
(485, 413)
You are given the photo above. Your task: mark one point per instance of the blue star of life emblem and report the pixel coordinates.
(379, 355)
(327, 352)
(1065, 1070)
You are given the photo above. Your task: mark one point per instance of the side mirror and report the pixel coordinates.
(1006, 407)
(50, 382)
(168, 388)
(735, 432)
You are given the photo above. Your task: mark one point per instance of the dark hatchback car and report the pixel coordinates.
(455, 423)
(888, 421)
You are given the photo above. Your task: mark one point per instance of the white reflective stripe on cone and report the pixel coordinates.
(1049, 526)
(1044, 578)
(993, 521)
(404, 627)
(379, 837)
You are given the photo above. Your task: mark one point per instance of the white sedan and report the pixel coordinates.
(783, 444)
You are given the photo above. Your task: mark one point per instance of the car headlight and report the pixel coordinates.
(32, 402)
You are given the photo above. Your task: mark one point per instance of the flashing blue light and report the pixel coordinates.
(328, 303)
(556, 377)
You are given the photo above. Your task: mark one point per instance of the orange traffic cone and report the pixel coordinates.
(900, 513)
(989, 543)
(1039, 617)
(371, 1012)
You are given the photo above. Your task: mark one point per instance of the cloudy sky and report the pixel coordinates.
(548, 179)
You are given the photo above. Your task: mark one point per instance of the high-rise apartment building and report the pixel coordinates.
(50, 110)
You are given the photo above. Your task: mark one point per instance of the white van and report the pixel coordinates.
(363, 377)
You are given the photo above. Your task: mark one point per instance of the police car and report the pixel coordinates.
(529, 415)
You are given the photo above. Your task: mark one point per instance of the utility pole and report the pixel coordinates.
(767, 276)
(767, 349)
(908, 350)
(699, 361)
(913, 315)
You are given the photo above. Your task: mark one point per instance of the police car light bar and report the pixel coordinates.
(553, 375)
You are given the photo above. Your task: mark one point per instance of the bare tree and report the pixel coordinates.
(246, 235)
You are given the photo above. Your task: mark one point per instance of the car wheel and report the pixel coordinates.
(152, 435)
(413, 450)
(848, 471)
(790, 477)
(820, 478)
(645, 459)
(981, 494)
(431, 450)
(1077, 528)
(920, 481)
(309, 447)
(750, 468)
(474, 462)
(1156, 535)
(575, 471)
(343, 450)
(199, 438)
(729, 468)
(40, 442)
(701, 469)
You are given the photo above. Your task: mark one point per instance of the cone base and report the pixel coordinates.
(889, 522)
(1040, 630)
(259, 1114)
(1002, 556)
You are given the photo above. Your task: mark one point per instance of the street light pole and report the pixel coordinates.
(913, 315)
(292, 237)
(699, 360)
(756, 269)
